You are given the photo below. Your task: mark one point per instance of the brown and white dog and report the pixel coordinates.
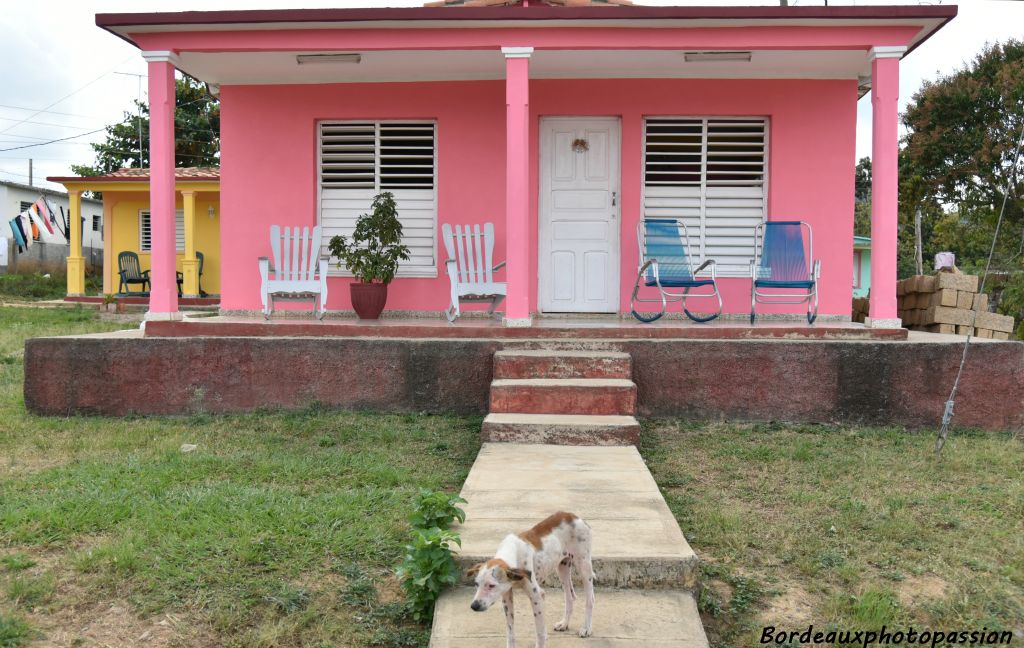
(523, 560)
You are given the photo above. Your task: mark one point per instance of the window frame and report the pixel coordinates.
(149, 249)
(404, 271)
(701, 255)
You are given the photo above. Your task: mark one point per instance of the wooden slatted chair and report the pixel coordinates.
(470, 252)
(299, 272)
(130, 271)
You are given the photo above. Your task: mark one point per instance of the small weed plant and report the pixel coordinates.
(429, 566)
(437, 509)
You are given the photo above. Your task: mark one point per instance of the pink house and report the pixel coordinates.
(475, 114)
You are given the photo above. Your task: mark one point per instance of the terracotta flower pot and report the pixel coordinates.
(368, 299)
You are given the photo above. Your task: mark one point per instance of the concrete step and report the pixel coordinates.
(562, 363)
(564, 396)
(561, 429)
(622, 619)
(637, 541)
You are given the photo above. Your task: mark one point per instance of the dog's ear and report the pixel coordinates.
(474, 570)
(517, 574)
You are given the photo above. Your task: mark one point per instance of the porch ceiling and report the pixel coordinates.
(255, 68)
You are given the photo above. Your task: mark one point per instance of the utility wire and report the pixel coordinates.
(70, 94)
(947, 415)
(52, 112)
(15, 148)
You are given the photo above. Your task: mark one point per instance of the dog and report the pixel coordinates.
(523, 560)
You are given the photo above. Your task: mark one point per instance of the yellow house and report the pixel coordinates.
(126, 226)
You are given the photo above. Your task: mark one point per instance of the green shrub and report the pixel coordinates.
(427, 569)
(436, 509)
(429, 566)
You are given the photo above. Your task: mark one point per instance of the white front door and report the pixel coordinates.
(578, 233)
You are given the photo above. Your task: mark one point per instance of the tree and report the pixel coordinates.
(196, 134)
(862, 198)
(963, 135)
(958, 164)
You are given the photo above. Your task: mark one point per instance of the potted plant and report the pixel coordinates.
(372, 255)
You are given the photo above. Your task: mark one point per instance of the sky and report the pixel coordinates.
(61, 76)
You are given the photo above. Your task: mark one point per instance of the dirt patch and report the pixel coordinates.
(74, 618)
(793, 607)
(108, 625)
(389, 589)
(916, 589)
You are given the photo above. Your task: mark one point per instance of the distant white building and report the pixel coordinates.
(49, 253)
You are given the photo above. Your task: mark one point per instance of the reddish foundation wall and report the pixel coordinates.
(817, 381)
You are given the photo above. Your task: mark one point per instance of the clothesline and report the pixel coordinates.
(37, 223)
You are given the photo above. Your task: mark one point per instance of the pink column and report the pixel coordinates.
(163, 296)
(885, 92)
(517, 201)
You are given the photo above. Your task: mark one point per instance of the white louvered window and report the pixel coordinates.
(359, 160)
(712, 173)
(146, 231)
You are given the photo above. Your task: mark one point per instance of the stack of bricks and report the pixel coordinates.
(860, 309)
(949, 303)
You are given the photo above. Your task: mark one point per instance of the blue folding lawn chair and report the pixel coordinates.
(664, 263)
(780, 264)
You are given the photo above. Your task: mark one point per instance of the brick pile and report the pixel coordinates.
(949, 303)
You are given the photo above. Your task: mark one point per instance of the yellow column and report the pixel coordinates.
(76, 262)
(190, 264)
(108, 246)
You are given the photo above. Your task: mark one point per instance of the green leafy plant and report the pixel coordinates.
(373, 252)
(436, 509)
(428, 566)
(427, 569)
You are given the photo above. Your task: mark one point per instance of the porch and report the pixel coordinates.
(593, 329)
(771, 372)
(498, 92)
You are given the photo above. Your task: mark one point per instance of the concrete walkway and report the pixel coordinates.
(646, 571)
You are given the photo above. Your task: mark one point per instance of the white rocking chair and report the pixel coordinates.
(295, 270)
(469, 267)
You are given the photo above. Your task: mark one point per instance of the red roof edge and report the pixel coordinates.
(534, 12)
(184, 174)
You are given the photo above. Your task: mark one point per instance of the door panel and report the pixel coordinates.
(578, 232)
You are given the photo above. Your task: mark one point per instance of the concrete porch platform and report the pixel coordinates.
(637, 541)
(886, 382)
(608, 328)
(622, 619)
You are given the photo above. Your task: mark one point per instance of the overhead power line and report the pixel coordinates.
(15, 148)
(70, 94)
(52, 112)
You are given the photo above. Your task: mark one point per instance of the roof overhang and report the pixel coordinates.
(462, 43)
(106, 185)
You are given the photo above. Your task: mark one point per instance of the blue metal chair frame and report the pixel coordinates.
(779, 263)
(664, 263)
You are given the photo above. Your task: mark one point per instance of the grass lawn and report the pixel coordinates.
(846, 528)
(283, 529)
(280, 529)
(38, 286)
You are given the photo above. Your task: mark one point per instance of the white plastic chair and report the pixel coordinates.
(470, 251)
(297, 274)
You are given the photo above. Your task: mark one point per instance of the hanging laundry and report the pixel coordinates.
(51, 210)
(26, 228)
(44, 214)
(40, 226)
(19, 236)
